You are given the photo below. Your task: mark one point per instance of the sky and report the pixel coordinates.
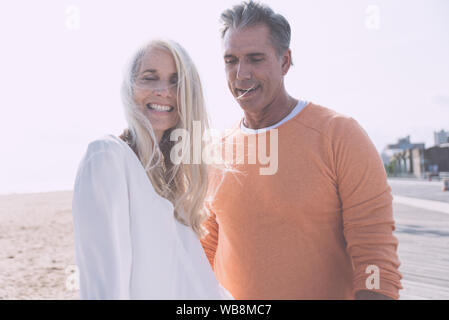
(384, 63)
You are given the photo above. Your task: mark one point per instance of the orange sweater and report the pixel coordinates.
(311, 230)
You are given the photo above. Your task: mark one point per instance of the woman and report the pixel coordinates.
(137, 215)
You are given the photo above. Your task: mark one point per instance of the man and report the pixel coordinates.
(321, 226)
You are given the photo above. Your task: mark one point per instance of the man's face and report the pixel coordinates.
(251, 62)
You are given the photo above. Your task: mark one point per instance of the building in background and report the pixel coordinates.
(441, 137)
(402, 145)
(437, 158)
(406, 159)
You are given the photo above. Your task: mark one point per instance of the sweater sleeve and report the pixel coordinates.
(367, 210)
(101, 225)
(210, 241)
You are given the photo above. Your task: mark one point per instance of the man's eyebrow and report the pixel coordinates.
(228, 56)
(253, 54)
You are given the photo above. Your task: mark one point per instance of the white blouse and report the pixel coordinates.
(128, 244)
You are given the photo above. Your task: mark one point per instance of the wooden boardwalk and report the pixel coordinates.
(423, 251)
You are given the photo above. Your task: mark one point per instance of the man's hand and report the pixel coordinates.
(371, 295)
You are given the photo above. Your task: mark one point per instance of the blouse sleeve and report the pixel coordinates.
(101, 225)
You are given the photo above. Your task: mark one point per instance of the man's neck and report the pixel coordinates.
(271, 114)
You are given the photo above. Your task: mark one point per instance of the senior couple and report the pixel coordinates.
(320, 227)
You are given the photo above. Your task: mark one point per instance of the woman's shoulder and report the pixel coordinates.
(105, 147)
(103, 163)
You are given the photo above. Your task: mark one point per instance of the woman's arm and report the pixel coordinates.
(101, 224)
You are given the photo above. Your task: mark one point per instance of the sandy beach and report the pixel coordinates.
(37, 246)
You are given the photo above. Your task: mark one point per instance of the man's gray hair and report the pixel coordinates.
(250, 13)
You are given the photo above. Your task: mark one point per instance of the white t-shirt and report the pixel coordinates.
(297, 109)
(128, 243)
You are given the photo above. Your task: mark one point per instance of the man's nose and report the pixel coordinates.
(243, 71)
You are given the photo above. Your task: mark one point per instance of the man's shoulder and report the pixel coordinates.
(324, 120)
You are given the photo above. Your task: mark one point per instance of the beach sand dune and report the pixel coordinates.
(37, 256)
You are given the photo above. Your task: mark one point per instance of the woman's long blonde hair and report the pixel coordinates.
(184, 185)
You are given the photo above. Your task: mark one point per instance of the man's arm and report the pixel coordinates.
(210, 241)
(367, 211)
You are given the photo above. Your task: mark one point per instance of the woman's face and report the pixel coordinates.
(156, 90)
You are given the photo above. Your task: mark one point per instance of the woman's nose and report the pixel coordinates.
(162, 91)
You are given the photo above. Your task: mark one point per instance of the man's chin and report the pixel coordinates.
(247, 105)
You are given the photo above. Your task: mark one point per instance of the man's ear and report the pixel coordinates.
(286, 61)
